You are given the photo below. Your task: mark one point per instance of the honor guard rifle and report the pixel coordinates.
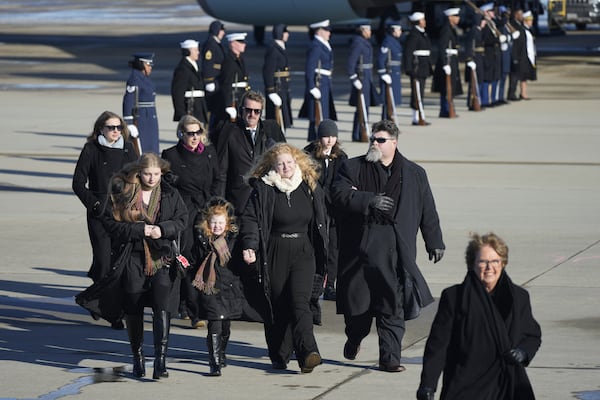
(390, 102)
(278, 111)
(361, 108)
(449, 98)
(318, 111)
(474, 100)
(137, 144)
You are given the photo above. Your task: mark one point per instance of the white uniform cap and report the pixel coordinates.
(416, 16)
(527, 14)
(452, 11)
(189, 44)
(320, 24)
(487, 7)
(365, 26)
(239, 36)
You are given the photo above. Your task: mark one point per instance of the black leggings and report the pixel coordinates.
(219, 327)
(158, 294)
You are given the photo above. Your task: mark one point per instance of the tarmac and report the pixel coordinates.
(529, 171)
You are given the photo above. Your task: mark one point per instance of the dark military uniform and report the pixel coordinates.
(276, 76)
(318, 70)
(417, 66)
(474, 53)
(447, 55)
(232, 84)
(389, 61)
(187, 91)
(491, 65)
(360, 67)
(213, 56)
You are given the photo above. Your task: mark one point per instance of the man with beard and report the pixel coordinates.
(384, 200)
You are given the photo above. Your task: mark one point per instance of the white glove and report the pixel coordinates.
(504, 46)
(515, 35)
(357, 84)
(447, 69)
(386, 78)
(275, 99)
(133, 131)
(231, 112)
(472, 65)
(316, 93)
(502, 38)
(210, 87)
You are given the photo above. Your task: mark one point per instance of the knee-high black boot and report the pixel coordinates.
(135, 331)
(213, 342)
(161, 323)
(224, 341)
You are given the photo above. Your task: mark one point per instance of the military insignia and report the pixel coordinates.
(131, 89)
(208, 55)
(384, 50)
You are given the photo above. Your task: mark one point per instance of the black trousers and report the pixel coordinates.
(157, 290)
(292, 267)
(390, 329)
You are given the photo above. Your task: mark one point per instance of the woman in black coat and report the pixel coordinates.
(147, 215)
(106, 151)
(284, 233)
(484, 333)
(197, 177)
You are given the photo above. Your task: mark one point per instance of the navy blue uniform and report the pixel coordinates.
(318, 70)
(232, 84)
(141, 88)
(213, 56)
(447, 55)
(276, 76)
(360, 66)
(389, 61)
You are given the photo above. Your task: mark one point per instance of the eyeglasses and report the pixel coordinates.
(113, 127)
(256, 111)
(492, 263)
(193, 133)
(380, 140)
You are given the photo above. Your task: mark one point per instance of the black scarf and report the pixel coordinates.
(379, 179)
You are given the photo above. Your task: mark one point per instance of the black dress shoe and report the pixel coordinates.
(329, 293)
(350, 350)
(514, 98)
(278, 365)
(391, 368)
(418, 124)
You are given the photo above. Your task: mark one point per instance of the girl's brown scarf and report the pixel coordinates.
(205, 279)
(154, 260)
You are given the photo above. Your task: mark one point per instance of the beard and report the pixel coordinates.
(373, 155)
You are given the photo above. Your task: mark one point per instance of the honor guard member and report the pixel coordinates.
(447, 62)
(213, 55)
(360, 73)
(417, 64)
(389, 65)
(187, 86)
(491, 57)
(232, 83)
(318, 70)
(276, 76)
(474, 62)
(139, 107)
(506, 29)
(518, 53)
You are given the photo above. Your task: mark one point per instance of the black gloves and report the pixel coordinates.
(436, 255)
(425, 393)
(97, 209)
(516, 356)
(381, 203)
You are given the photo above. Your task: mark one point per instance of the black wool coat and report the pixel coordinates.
(255, 232)
(187, 78)
(415, 210)
(448, 40)
(470, 337)
(238, 154)
(197, 177)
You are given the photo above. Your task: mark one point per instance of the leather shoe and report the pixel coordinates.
(391, 368)
(310, 362)
(278, 365)
(424, 124)
(350, 351)
(329, 293)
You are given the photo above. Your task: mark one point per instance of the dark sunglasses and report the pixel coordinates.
(193, 133)
(249, 110)
(380, 139)
(113, 127)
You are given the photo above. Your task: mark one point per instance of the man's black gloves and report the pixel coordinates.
(436, 255)
(425, 393)
(516, 356)
(381, 203)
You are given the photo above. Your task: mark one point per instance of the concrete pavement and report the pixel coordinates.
(530, 171)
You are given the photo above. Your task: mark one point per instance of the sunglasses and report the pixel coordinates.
(113, 127)
(249, 110)
(380, 140)
(193, 133)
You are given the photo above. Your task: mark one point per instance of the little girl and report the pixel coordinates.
(221, 294)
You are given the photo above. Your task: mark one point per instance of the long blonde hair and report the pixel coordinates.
(126, 187)
(310, 168)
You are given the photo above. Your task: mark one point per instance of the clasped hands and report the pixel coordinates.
(153, 231)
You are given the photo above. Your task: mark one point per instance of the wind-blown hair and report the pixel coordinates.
(489, 239)
(308, 166)
(218, 206)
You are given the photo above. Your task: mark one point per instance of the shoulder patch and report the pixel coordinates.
(384, 49)
(131, 89)
(208, 55)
